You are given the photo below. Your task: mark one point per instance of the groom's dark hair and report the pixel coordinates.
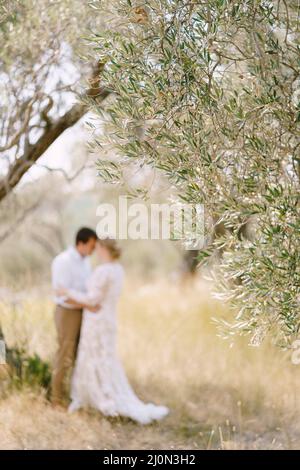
(84, 235)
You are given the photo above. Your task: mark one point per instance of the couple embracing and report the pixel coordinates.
(86, 324)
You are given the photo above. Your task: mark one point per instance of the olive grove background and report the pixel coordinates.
(161, 100)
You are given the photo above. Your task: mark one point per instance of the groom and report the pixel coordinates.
(70, 270)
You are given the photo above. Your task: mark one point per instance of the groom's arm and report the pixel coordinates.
(91, 307)
(61, 278)
(79, 299)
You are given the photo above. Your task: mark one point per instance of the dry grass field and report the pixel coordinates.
(220, 397)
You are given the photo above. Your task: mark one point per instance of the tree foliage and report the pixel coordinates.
(215, 87)
(41, 69)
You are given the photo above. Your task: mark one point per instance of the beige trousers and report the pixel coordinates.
(68, 323)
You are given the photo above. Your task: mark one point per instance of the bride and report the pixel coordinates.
(99, 379)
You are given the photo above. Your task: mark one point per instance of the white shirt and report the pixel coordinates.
(71, 271)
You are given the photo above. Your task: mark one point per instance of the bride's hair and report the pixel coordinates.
(111, 245)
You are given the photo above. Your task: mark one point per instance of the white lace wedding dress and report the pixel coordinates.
(99, 380)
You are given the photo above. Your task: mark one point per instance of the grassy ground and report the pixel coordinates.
(220, 397)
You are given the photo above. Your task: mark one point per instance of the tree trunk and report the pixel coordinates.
(35, 151)
(51, 132)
